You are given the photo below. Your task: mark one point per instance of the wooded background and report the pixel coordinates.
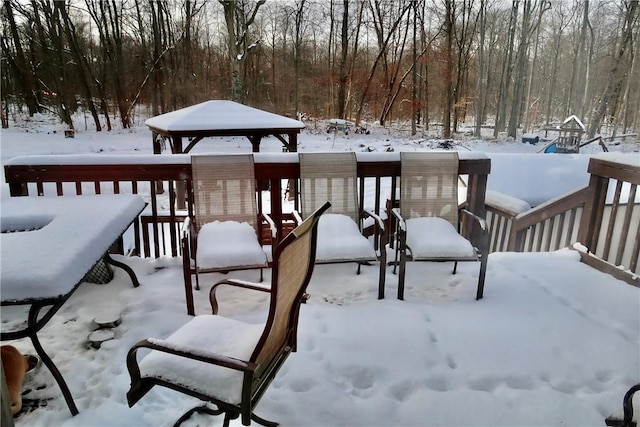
(514, 65)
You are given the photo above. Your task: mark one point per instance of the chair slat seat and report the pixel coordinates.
(233, 338)
(236, 246)
(435, 238)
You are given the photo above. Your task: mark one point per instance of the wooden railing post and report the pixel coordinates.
(476, 190)
(591, 220)
(18, 189)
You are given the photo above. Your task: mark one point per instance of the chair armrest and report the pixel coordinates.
(480, 221)
(187, 352)
(272, 224)
(375, 217)
(297, 217)
(401, 223)
(238, 283)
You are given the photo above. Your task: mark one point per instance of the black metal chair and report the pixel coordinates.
(429, 225)
(627, 411)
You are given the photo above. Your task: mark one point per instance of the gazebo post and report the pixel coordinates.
(157, 149)
(179, 186)
(255, 142)
(177, 144)
(293, 142)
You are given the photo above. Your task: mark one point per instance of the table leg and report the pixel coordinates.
(125, 267)
(32, 325)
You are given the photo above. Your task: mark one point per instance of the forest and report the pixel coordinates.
(513, 66)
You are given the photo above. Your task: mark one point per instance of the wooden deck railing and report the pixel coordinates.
(97, 174)
(604, 217)
(550, 226)
(608, 227)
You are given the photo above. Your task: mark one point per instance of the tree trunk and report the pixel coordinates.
(235, 17)
(617, 74)
(20, 63)
(448, 73)
(299, 19)
(480, 80)
(344, 45)
(522, 56)
(505, 77)
(81, 63)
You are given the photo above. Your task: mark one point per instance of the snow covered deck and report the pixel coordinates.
(554, 342)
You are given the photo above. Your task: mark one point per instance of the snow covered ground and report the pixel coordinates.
(552, 343)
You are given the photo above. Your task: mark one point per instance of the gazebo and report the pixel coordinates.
(222, 118)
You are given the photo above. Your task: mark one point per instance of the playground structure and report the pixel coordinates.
(570, 138)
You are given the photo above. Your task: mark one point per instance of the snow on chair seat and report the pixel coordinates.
(238, 246)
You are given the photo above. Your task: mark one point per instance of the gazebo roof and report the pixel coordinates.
(219, 117)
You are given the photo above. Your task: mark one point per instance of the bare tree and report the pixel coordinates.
(506, 71)
(238, 17)
(18, 61)
(384, 36)
(81, 63)
(481, 70)
(618, 71)
(448, 73)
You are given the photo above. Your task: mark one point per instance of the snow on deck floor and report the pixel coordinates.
(554, 342)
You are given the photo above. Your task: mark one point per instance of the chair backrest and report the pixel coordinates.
(224, 189)
(329, 176)
(293, 263)
(429, 185)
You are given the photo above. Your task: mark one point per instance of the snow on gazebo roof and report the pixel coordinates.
(220, 115)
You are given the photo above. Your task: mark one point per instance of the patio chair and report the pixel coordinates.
(430, 226)
(627, 419)
(221, 232)
(334, 177)
(228, 362)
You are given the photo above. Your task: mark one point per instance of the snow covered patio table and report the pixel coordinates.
(48, 244)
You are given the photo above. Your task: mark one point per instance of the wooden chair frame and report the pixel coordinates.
(294, 259)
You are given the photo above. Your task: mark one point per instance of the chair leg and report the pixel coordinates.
(395, 261)
(261, 275)
(455, 267)
(204, 409)
(401, 275)
(481, 276)
(382, 278)
(263, 422)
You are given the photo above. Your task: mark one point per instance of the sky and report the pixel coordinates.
(553, 342)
